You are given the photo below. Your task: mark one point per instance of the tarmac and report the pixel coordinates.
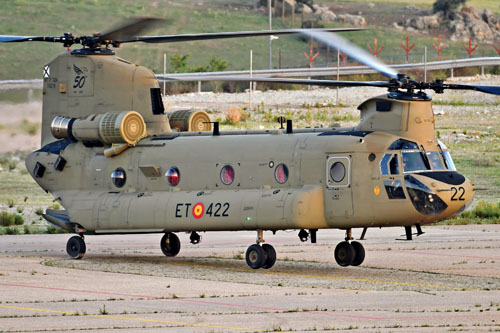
(447, 279)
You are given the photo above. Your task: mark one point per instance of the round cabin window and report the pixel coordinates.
(119, 177)
(337, 172)
(281, 173)
(173, 176)
(227, 175)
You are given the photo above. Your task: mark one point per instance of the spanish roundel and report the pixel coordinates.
(198, 210)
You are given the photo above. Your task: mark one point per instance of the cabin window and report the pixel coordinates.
(227, 175)
(281, 173)
(337, 172)
(173, 176)
(119, 177)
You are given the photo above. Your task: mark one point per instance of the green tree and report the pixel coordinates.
(447, 6)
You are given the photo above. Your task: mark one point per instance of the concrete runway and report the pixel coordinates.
(447, 279)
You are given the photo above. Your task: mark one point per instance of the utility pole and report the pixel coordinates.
(270, 37)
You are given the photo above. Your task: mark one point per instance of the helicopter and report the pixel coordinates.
(118, 164)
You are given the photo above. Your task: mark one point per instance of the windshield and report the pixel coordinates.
(414, 161)
(448, 161)
(435, 160)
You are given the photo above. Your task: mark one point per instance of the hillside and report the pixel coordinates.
(54, 17)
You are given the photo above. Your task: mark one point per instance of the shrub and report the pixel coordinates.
(11, 231)
(20, 209)
(484, 210)
(11, 202)
(6, 219)
(39, 211)
(18, 219)
(56, 205)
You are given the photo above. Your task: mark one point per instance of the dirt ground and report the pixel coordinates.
(447, 279)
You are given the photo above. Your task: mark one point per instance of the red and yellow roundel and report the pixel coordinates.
(198, 210)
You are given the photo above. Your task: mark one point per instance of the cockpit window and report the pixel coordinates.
(435, 160)
(403, 144)
(389, 165)
(414, 161)
(448, 161)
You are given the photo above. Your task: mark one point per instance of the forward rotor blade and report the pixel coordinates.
(326, 83)
(494, 90)
(129, 30)
(221, 35)
(7, 38)
(353, 51)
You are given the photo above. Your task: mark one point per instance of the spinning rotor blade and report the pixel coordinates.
(222, 35)
(325, 83)
(7, 38)
(494, 90)
(131, 29)
(353, 51)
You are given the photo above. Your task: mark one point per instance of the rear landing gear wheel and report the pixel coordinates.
(255, 256)
(76, 247)
(359, 253)
(170, 244)
(270, 256)
(344, 254)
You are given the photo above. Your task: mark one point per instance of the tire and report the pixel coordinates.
(75, 247)
(170, 244)
(270, 256)
(255, 256)
(344, 254)
(359, 253)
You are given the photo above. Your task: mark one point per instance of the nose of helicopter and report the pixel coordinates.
(440, 194)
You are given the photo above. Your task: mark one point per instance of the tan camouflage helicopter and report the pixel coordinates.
(110, 156)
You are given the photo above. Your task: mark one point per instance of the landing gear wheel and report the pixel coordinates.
(359, 253)
(255, 256)
(170, 244)
(344, 254)
(76, 247)
(270, 256)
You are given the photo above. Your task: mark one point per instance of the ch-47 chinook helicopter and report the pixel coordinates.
(111, 158)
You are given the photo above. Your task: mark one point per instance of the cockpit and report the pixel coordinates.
(415, 159)
(409, 171)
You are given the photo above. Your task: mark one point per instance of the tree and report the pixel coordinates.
(447, 6)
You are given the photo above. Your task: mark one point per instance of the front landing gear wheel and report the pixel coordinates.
(359, 253)
(344, 254)
(170, 244)
(76, 247)
(270, 256)
(255, 256)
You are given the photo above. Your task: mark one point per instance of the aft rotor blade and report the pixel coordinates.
(222, 35)
(351, 50)
(494, 90)
(326, 83)
(130, 29)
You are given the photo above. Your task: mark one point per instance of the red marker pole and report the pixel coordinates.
(375, 51)
(470, 49)
(407, 48)
(310, 56)
(497, 49)
(439, 47)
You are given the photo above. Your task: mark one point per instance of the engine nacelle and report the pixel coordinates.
(189, 121)
(109, 128)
